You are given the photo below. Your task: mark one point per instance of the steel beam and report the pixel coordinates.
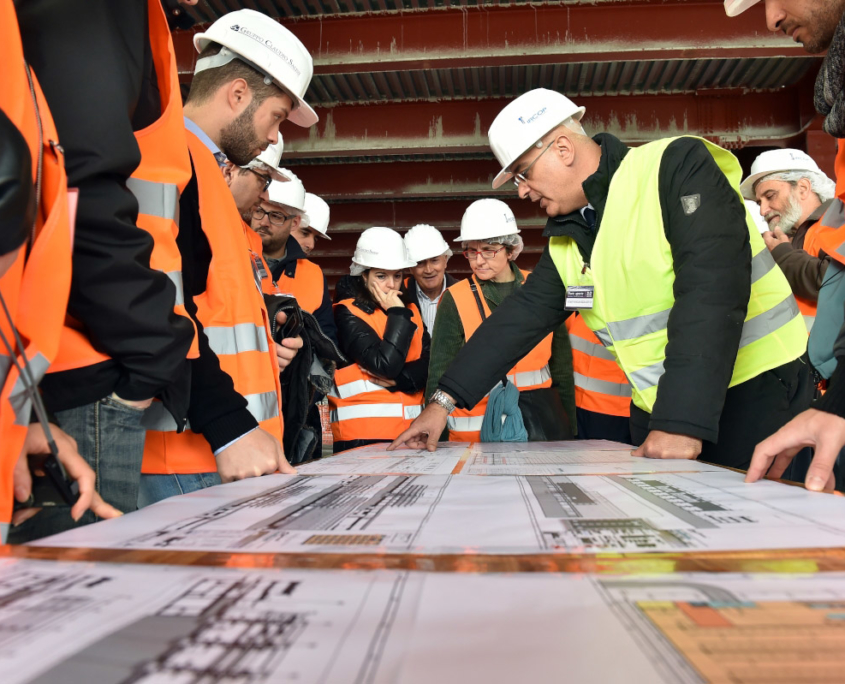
(509, 35)
(731, 118)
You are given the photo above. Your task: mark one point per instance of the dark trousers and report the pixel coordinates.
(592, 425)
(753, 410)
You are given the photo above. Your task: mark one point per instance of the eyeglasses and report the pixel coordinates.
(277, 218)
(472, 254)
(523, 175)
(267, 180)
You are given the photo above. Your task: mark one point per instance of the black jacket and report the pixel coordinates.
(712, 263)
(383, 357)
(287, 265)
(124, 306)
(17, 193)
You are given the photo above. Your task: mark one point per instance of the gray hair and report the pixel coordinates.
(820, 184)
(513, 240)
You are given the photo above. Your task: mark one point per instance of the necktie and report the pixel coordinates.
(590, 218)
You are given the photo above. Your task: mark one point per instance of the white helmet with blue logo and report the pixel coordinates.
(523, 123)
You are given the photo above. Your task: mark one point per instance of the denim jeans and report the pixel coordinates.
(155, 488)
(110, 437)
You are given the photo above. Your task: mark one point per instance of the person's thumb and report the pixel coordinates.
(281, 318)
(22, 478)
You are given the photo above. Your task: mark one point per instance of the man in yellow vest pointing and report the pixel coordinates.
(655, 248)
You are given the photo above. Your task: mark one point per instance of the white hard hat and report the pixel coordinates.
(776, 161)
(290, 194)
(735, 7)
(759, 221)
(316, 214)
(524, 122)
(382, 248)
(425, 242)
(267, 46)
(269, 160)
(485, 219)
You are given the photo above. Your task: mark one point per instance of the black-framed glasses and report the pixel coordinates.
(267, 180)
(277, 218)
(522, 176)
(472, 254)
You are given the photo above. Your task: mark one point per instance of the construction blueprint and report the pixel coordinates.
(592, 457)
(433, 514)
(374, 459)
(75, 623)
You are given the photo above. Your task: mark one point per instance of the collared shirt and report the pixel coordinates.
(208, 142)
(428, 307)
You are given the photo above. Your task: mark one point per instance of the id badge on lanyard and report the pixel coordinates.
(579, 297)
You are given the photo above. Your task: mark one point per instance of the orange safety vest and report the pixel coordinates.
(307, 285)
(361, 409)
(832, 241)
(531, 372)
(600, 384)
(37, 285)
(235, 322)
(162, 175)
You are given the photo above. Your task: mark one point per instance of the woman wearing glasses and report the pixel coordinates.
(491, 243)
(377, 396)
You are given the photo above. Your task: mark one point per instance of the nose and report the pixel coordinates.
(774, 15)
(764, 207)
(523, 190)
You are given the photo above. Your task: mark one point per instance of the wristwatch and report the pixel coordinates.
(442, 399)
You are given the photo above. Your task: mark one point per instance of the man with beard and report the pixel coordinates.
(232, 114)
(818, 25)
(793, 195)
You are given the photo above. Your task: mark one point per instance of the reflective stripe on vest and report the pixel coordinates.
(591, 349)
(342, 413)
(808, 321)
(351, 389)
(465, 423)
(155, 199)
(262, 406)
(634, 295)
(614, 389)
(243, 337)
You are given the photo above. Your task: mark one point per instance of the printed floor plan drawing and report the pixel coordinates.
(74, 623)
(376, 460)
(433, 514)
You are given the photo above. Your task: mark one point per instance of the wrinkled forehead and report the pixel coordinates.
(765, 186)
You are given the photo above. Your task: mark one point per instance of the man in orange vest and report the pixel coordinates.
(34, 211)
(290, 268)
(232, 113)
(793, 194)
(818, 25)
(124, 342)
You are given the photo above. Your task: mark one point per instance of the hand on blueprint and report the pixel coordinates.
(253, 455)
(74, 464)
(825, 432)
(287, 350)
(660, 444)
(424, 431)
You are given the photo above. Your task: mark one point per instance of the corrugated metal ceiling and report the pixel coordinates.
(591, 78)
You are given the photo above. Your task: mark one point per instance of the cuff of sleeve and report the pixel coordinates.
(226, 446)
(229, 428)
(403, 311)
(454, 391)
(833, 400)
(681, 428)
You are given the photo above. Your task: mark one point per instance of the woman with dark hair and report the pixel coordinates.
(377, 396)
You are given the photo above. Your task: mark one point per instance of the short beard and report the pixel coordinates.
(824, 21)
(238, 140)
(791, 215)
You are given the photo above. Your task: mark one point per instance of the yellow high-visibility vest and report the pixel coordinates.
(632, 271)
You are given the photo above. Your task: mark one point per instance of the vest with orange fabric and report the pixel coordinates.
(235, 322)
(600, 384)
(531, 372)
(307, 285)
(361, 409)
(162, 175)
(832, 237)
(36, 286)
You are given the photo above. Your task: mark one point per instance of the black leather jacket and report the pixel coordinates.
(383, 357)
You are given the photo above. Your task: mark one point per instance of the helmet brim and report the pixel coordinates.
(303, 115)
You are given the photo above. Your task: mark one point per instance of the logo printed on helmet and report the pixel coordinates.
(533, 117)
(266, 42)
(510, 219)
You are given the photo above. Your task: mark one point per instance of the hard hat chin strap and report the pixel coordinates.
(225, 56)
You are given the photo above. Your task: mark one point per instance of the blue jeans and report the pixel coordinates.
(155, 488)
(110, 437)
